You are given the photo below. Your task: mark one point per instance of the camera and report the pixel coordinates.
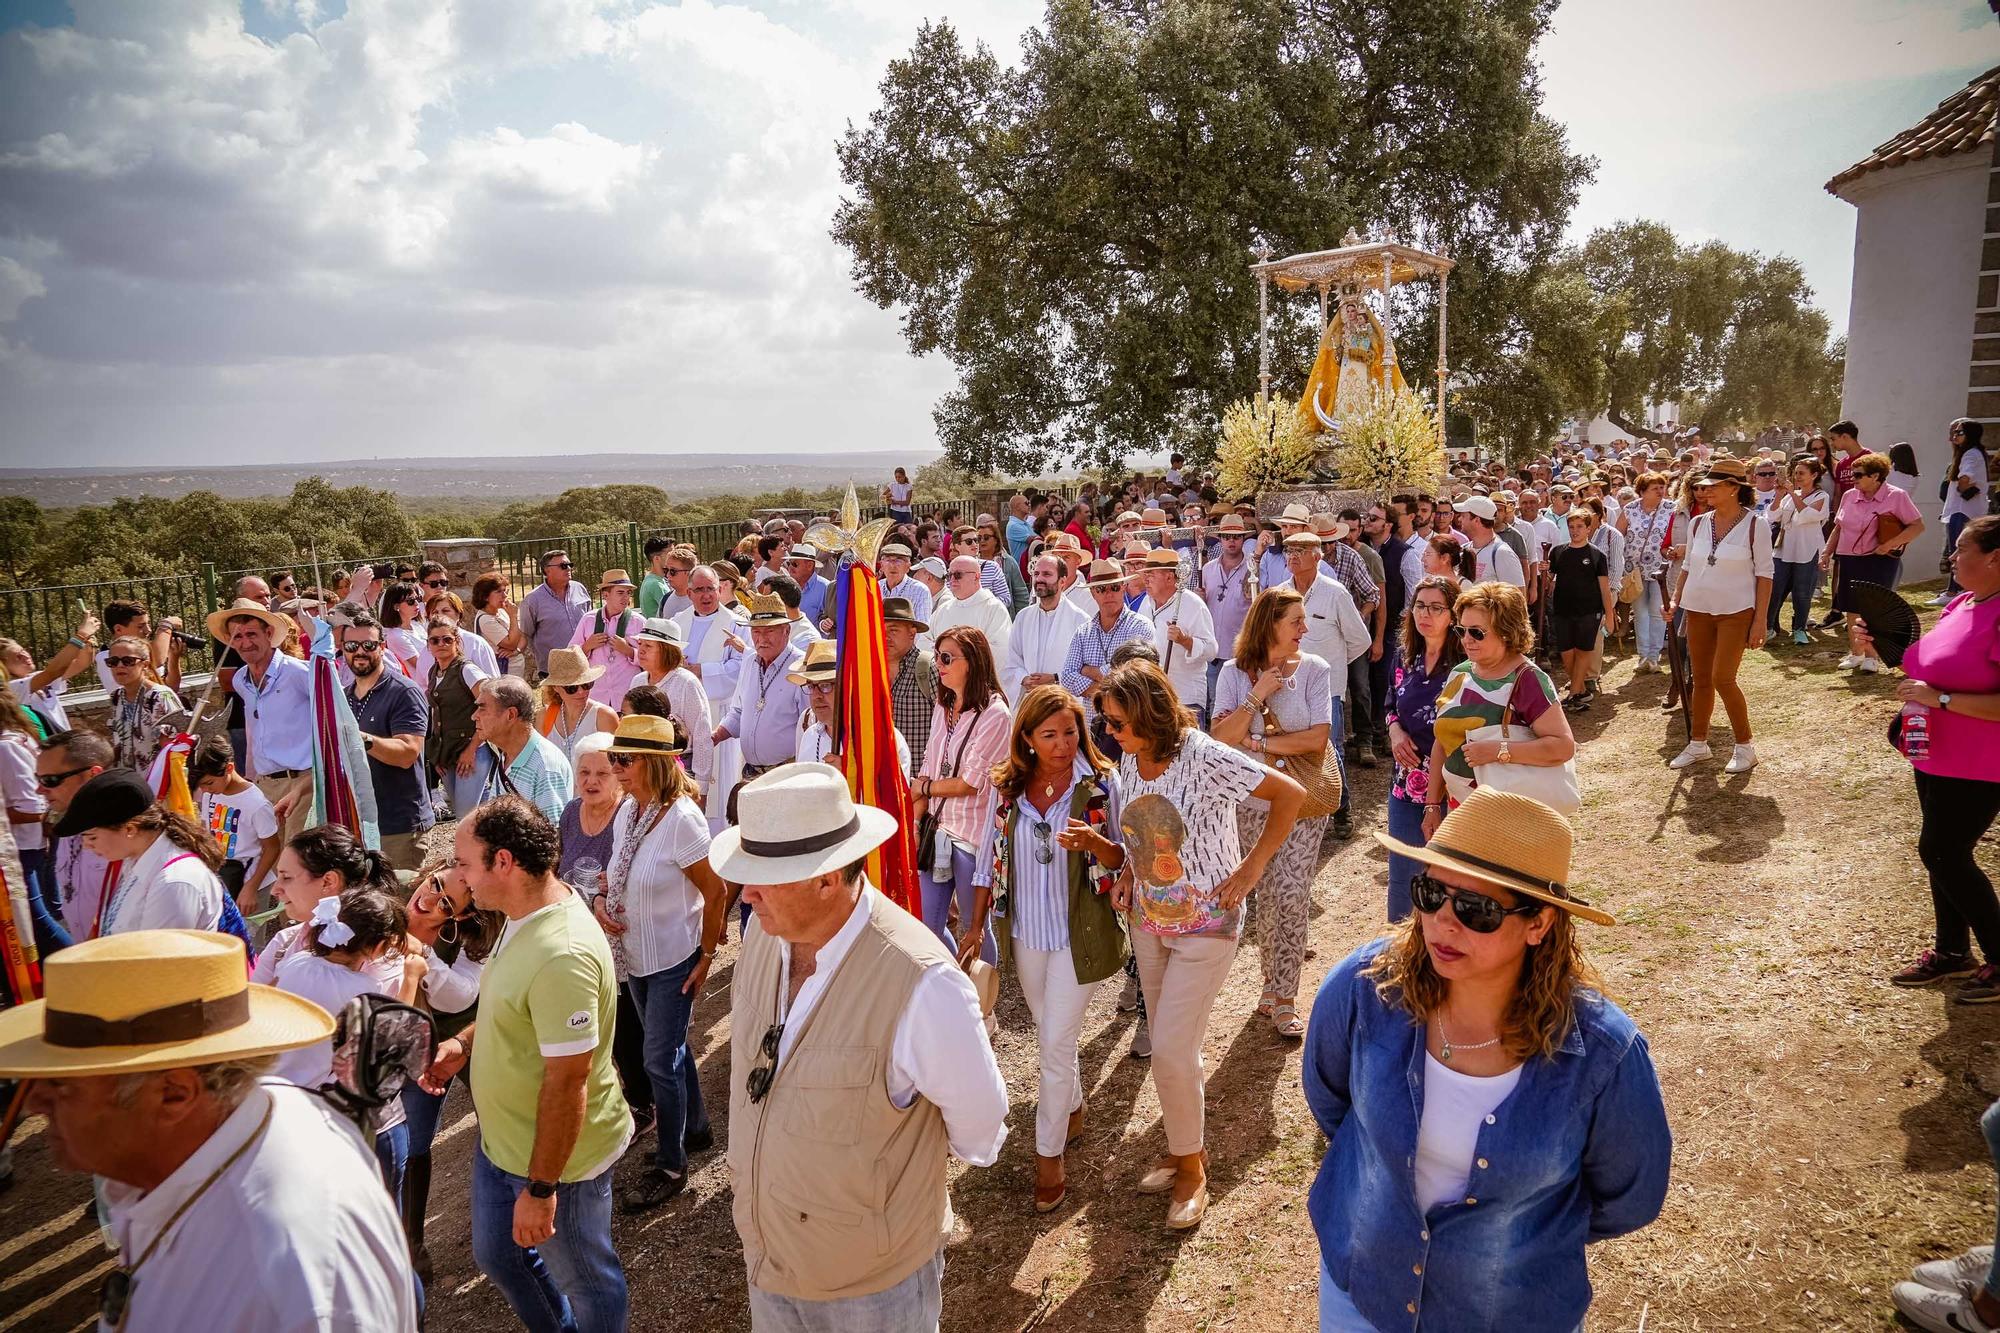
(186, 639)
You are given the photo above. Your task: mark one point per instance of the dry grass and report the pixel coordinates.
(1826, 1124)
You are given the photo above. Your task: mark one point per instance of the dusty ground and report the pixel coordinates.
(1826, 1124)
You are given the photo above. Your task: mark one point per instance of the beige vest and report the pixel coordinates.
(837, 1193)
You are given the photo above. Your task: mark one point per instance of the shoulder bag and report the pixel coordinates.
(927, 825)
(1554, 785)
(1318, 771)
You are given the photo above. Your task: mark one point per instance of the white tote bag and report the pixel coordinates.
(1554, 785)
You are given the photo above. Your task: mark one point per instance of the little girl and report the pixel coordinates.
(344, 935)
(320, 865)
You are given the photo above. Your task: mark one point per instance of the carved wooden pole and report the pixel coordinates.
(1441, 362)
(1262, 251)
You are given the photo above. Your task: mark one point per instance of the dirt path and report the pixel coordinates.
(1826, 1124)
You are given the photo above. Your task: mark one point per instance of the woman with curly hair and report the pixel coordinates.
(1488, 1112)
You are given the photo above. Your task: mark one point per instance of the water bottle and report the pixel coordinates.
(1916, 732)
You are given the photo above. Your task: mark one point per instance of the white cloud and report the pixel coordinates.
(18, 283)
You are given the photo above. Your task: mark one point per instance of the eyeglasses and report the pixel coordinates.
(439, 640)
(1432, 608)
(759, 1082)
(675, 569)
(123, 660)
(1474, 633)
(1475, 911)
(50, 781)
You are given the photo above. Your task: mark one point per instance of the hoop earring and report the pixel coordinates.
(451, 926)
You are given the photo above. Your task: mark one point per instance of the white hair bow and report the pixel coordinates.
(333, 932)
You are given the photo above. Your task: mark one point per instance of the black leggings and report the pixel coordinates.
(1957, 813)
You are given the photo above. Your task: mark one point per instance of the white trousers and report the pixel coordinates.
(1057, 1002)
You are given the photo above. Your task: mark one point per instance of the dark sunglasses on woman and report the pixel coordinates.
(1475, 911)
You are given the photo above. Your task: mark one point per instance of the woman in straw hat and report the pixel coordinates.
(1725, 589)
(569, 710)
(451, 748)
(146, 1058)
(662, 907)
(1536, 1123)
(662, 648)
(1186, 875)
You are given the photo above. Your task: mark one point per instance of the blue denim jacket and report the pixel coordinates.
(1578, 1152)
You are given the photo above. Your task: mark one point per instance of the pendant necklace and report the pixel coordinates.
(1447, 1047)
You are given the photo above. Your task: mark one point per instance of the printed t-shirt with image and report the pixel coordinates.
(1467, 703)
(240, 823)
(1180, 835)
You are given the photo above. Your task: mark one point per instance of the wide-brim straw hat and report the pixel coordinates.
(570, 666)
(662, 629)
(1162, 557)
(218, 621)
(642, 733)
(794, 823)
(1510, 840)
(151, 999)
(767, 608)
(1232, 524)
(1721, 467)
(1295, 513)
(1104, 574)
(820, 664)
(614, 578)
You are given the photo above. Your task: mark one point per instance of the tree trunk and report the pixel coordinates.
(1617, 418)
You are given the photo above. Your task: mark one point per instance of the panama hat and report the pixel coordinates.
(1231, 525)
(218, 621)
(642, 733)
(767, 608)
(569, 666)
(897, 610)
(1504, 838)
(1296, 513)
(1154, 517)
(796, 822)
(1104, 574)
(1328, 528)
(818, 665)
(1163, 557)
(803, 551)
(661, 629)
(151, 999)
(614, 578)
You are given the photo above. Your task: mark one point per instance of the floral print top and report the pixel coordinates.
(1413, 707)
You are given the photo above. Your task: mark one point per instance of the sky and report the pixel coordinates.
(311, 230)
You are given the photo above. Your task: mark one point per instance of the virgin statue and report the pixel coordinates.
(1356, 357)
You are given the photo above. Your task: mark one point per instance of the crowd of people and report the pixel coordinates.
(1126, 719)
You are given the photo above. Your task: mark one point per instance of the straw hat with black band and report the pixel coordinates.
(146, 1000)
(1509, 840)
(218, 621)
(614, 578)
(642, 733)
(796, 823)
(820, 665)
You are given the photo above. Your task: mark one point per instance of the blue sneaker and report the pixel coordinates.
(1800, 637)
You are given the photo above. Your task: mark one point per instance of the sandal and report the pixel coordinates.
(1264, 1003)
(1285, 1021)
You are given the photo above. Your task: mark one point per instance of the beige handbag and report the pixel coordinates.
(1317, 771)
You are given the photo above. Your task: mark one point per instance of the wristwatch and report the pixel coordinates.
(1506, 752)
(1944, 702)
(541, 1189)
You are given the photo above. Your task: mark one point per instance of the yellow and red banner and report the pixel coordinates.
(865, 730)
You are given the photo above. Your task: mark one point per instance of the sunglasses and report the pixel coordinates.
(438, 640)
(437, 583)
(430, 900)
(572, 689)
(1115, 724)
(759, 1082)
(1045, 851)
(621, 760)
(122, 660)
(51, 781)
(1474, 633)
(946, 659)
(1475, 911)
(562, 564)
(361, 646)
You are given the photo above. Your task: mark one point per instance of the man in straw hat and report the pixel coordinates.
(764, 715)
(852, 1024)
(277, 693)
(819, 673)
(605, 635)
(1039, 640)
(1090, 648)
(1542, 1121)
(234, 1203)
(1183, 632)
(552, 1122)
(1272, 569)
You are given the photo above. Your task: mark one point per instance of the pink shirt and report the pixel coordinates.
(1855, 528)
(984, 737)
(1961, 655)
(619, 670)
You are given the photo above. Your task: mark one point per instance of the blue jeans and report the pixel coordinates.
(49, 932)
(420, 1112)
(1214, 670)
(911, 1306)
(1648, 628)
(1333, 738)
(464, 793)
(573, 1282)
(1793, 579)
(1952, 527)
(392, 1153)
(1406, 825)
(664, 1013)
(937, 903)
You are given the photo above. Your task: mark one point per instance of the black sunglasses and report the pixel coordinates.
(562, 564)
(362, 646)
(759, 1082)
(1475, 911)
(572, 689)
(123, 661)
(53, 780)
(437, 583)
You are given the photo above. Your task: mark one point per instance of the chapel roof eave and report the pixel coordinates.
(1961, 123)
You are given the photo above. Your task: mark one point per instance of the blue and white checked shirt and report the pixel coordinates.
(1041, 892)
(1093, 646)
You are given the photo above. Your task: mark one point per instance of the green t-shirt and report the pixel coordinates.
(548, 990)
(652, 591)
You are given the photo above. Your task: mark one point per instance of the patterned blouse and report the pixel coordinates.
(140, 726)
(1413, 706)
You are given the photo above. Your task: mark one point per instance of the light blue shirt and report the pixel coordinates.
(1020, 532)
(278, 714)
(541, 774)
(764, 715)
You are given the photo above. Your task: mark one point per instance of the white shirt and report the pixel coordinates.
(20, 790)
(707, 645)
(815, 745)
(689, 707)
(1335, 631)
(472, 648)
(1801, 528)
(1455, 1109)
(940, 1050)
(329, 985)
(1729, 584)
(386, 970)
(343, 1263)
(1038, 643)
(662, 906)
(1972, 463)
(1530, 538)
(80, 872)
(152, 894)
(981, 611)
(1079, 597)
(45, 701)
(1186, 668)
(1497, 563)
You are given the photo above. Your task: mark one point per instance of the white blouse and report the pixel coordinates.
(1722, 581)
(1801, 527)
(662, 907)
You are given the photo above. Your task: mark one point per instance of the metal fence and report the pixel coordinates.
(42, 619)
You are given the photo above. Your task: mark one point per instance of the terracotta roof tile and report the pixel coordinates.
(1961, 123)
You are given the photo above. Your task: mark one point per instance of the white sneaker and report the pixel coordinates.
(1957, 1275)
(1851, 661)
(1645, 665)
(1741, 760)
(1938, 1311)
(1870, 666)
(1940, 599)
(1694, 754)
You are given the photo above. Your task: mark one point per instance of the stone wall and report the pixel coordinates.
(465, 559)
